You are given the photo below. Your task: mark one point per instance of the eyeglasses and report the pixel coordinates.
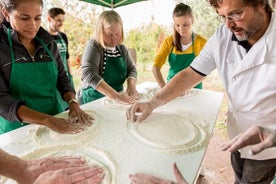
(232, 17)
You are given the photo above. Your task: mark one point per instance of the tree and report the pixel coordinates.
(145, 41)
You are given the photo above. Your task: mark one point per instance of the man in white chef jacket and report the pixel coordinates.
(243, 50)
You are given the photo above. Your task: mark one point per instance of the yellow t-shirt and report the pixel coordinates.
(167, 46)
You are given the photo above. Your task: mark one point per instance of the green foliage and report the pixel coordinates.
(145, 41)
(78, 35)
(81, 18)
(204, 16)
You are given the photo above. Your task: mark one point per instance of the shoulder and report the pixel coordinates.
(44, 35)
(200, 38)
(223, 31)
(122, 48)
(169, 39)
(63, 35)
(92, 43)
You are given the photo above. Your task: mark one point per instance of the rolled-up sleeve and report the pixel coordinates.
(205, 61)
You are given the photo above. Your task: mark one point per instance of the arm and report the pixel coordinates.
(67, 54)
(10, 166)
(160, 59)
(183, 81)
(131, 73)
(60, 169)
(91, 64)
(111, 93)
(158, 76)
(131, 88)
(68, 93)
(141, 178)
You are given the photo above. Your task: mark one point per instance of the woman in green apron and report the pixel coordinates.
(107, 63)
(180, 48)
(31, 74)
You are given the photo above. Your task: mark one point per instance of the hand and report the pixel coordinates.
(260, 137)
(124, 98)
(76, 113)
(143, 108)
(133, 93)
(131, 88)
(32, 169)
(64, 126)
(141, 178)
(76, 175)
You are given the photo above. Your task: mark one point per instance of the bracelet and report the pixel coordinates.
(72, 100)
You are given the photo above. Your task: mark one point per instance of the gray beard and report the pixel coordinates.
(242, 38)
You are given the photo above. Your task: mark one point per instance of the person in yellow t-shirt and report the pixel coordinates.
(180, 48)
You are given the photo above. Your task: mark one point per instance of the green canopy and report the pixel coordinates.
(112, 3)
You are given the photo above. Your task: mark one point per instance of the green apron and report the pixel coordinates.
(115, 74)
(28, 82)
(63, 50)
(178, 62)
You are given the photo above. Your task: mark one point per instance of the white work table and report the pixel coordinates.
(129, 155)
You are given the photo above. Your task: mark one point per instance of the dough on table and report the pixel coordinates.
(179, 133)
(44, 135)
(145, 95)
(93, 156)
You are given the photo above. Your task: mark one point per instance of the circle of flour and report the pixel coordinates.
(94, 157)
(173, 132)
(44, 135)
(145, 95)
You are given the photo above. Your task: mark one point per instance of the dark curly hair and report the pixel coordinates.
(216, 3)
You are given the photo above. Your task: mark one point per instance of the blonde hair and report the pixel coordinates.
(106, 19)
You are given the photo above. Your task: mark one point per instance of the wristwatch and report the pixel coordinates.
(72, 100)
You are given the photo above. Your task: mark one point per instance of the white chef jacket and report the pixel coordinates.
(249, 79)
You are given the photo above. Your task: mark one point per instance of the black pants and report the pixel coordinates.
(252, 171)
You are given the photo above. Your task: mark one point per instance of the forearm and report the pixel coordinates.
(183, 81)
(158, 76)
(29, 115)
(106, 90)
(69, 96)
(91, 64)
(10, 166)
(68, 66)
(131, 83)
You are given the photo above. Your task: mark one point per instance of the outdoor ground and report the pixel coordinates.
(216, 164)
